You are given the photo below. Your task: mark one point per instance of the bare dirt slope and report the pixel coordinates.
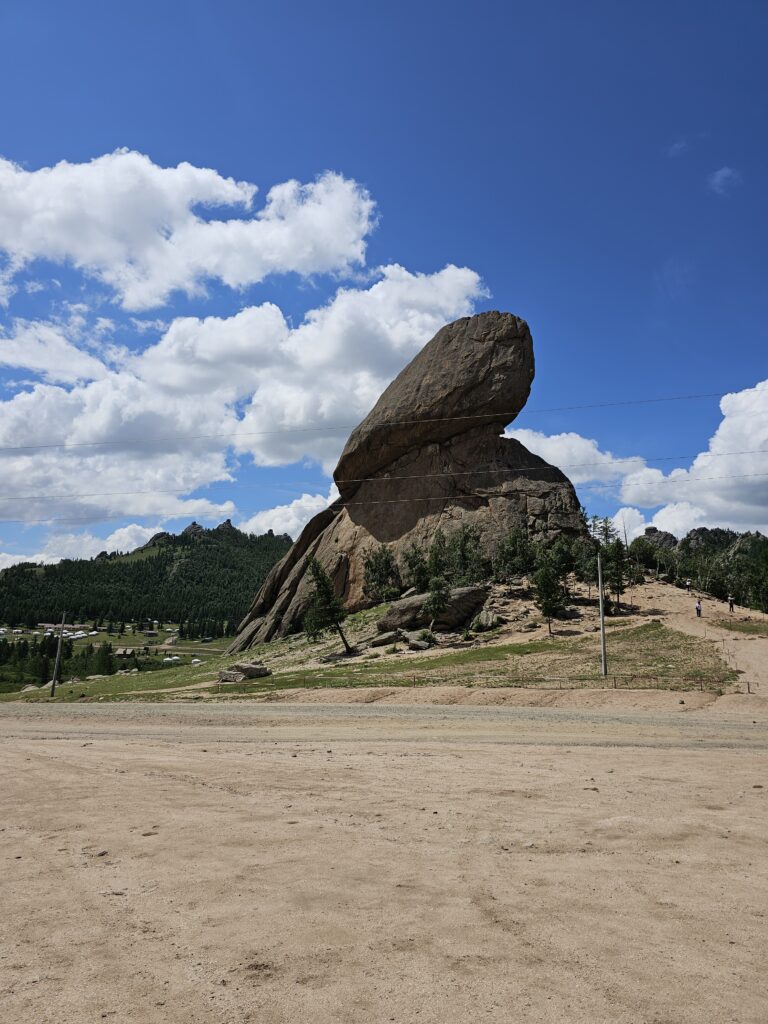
(747, 653)
(599, 864)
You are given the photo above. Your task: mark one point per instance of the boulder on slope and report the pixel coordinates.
(409, 613)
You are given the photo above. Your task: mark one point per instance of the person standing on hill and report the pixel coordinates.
(698, 609)
(688, 586)
(730, 603)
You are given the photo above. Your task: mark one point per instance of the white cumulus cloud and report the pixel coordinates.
(290, 518)
(727, 485)
(153, 427)
(332, 368)
(136, 226)
(83, 545)
(45, 349)
(677, 518)
(580, 458)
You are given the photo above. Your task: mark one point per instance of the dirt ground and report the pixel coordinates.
(597, 857)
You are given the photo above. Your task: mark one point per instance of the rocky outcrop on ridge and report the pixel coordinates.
(429, 455)
(660, 538)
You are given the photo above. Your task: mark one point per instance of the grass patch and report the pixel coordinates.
(480, 655)
(655, 650)
(638, 656)
(750, 628)
(161, 679)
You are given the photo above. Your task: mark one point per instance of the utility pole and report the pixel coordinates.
(603, 657)
(57, 666)
(626, 549)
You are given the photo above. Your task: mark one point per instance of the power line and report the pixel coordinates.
(344, 504)
(333, 428)
(606, 463)
(416, 476)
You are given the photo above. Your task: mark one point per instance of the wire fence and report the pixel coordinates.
(613, 681)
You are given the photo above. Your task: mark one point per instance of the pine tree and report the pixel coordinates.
(615, 569)
(381, 575)
(326, 610)
(466, 561)
(602, 529)
(416, 570)
(514, 557)
(560, 556)
(547, 592)
(437, 559)
(585, 563)
(437, 602)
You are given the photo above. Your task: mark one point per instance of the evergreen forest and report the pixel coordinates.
(199, 575)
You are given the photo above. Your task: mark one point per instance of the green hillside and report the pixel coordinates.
(718, 562)
(198, 575)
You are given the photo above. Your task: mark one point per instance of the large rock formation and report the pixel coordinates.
(660, 538)
(430, 454)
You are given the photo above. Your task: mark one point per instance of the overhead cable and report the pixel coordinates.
(334, 428)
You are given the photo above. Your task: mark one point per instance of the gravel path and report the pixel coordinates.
(661, 720)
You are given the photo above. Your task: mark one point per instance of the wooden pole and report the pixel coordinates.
(626, 549)
(57, 666)
(603, 656)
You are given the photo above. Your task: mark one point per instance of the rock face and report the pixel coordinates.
(660, 538)
(430, 454)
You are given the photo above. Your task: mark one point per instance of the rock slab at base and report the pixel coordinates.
(384, 639)
(429, 455)
(242, 671)
(409, 613)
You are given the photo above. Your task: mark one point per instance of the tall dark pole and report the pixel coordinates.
(603, 658)
(57, 666)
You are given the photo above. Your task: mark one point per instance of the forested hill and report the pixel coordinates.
(717, 561)
(197, 575)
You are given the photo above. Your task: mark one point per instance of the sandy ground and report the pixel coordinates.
(599, 860)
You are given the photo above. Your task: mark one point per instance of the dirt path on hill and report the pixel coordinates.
(747, 654)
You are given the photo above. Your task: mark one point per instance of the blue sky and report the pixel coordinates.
(597, 168)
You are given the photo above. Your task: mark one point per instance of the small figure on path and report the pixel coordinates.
(688, 586)
(698, 609)
(730, 602)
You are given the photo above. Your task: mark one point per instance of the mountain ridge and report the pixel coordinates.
(198, 573)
